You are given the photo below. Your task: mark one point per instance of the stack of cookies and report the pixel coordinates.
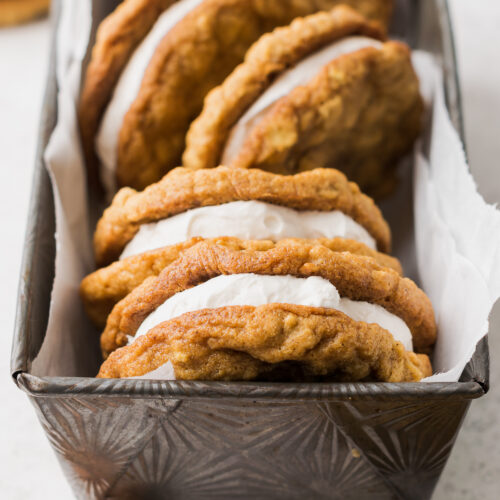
(202, 83)
(270, 267)
(239, 274)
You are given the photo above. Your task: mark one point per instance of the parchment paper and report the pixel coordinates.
(455, 234)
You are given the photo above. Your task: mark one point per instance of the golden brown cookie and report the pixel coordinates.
(375, 10)
(14, 12)
(356, 277)
(270, 56)
(360, 114)
(246, 343)
(117, 38)
(195, 56)
(182, 190)
(102, 289)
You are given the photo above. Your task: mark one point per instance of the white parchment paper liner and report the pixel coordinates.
(457, 234)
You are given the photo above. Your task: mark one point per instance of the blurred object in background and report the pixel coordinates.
(14, 12)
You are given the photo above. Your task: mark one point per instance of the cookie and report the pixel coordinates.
(270, 56)
(353, 105)
(13, 12)
(268, 342)
(102, 289)
(355, 277)
(204, 44)
(319, 195)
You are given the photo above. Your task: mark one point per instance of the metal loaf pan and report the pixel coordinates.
(193, 440)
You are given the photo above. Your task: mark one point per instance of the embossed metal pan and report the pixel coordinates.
(189, 440)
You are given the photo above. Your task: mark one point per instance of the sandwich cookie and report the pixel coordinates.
(189, 48)
(249, 204)
(348, 101)
(295, 309)
(104, 288)
(274, 54)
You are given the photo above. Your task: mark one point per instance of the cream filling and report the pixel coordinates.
(300, 74)
(163, 372)
(246, 220)
(128, 87)
(256, 290)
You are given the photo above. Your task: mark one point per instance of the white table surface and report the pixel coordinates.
(473, 470)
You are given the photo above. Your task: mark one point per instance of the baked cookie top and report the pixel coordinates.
(356, 277)
(182, 190)
(102, 289)
(270, 56)
(273, 341)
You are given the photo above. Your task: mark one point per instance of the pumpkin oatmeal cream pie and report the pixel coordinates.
(145, 231)
(246, 203)
(323, 91)
(293, 310)
(153, 63)
(102, 289)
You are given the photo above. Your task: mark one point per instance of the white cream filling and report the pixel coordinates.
(163, 372)
(246, 220)
(128, 87)
(300, 74)
(256, 290)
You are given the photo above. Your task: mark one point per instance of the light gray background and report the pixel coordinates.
(474, 467)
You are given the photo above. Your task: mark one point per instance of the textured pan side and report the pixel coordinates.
(37, 265)
(148, 389)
